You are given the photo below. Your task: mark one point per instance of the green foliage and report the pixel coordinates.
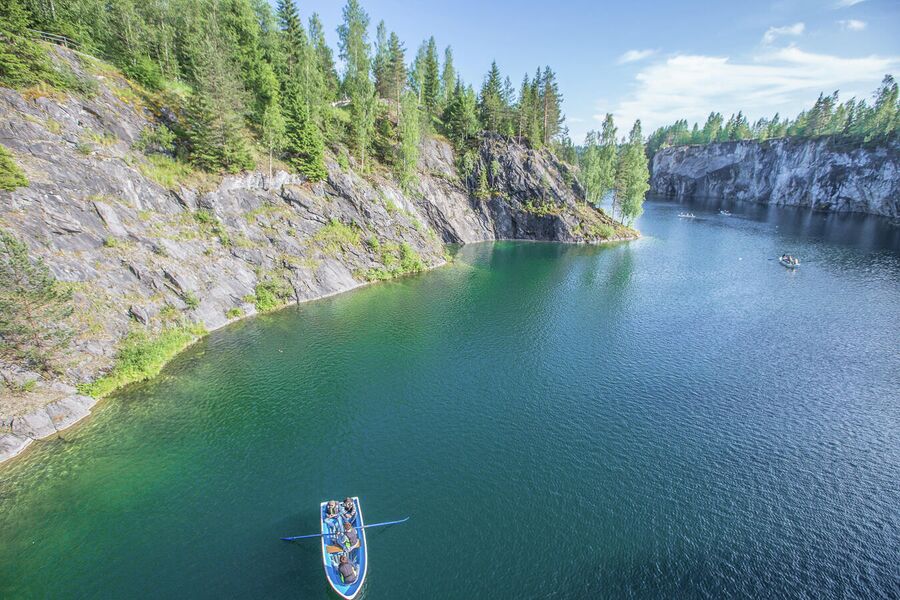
(168, 172)
(24, 62)
(271, 294)
(234, 313)
(191, 300)
(853, 121)
(598, 161)
(142, 355)
(33, 307)
(303, 139)
(410, 137)
(359, 88)
(335, 236)
(156, 139)
(460, 117)
(397, 259)
(482, 191)
(542, 209)
(215, 127)
(11, 176)
(632, 175)
(249, 78)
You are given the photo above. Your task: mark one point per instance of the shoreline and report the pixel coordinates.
(60, 415)
(54, 417)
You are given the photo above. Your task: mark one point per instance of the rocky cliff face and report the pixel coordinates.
(142, 251)
(817, 174)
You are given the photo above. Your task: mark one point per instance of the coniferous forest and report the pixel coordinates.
(854, 122)
(257, 84)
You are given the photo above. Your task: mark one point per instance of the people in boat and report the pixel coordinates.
(347, 539)
(348, 572)
(348, 510)
(332, 515)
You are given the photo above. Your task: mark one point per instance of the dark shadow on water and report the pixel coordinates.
(866, 232)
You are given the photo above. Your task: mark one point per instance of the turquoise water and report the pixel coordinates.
(677, 416)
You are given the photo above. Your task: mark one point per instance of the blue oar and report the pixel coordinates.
(315, 535)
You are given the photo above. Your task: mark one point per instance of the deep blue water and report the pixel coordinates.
(678, 416)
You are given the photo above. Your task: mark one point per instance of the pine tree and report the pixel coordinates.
(551, 100)
(323, 59)
(357, 85)
(33, 308)
(302, 138)
(482, 190)
(215, 126)
(381, 64)
(524, 108)
(448, 77)
(431, 82)
(396, 68)
(490, 103)
(885, 119)
(460, 117)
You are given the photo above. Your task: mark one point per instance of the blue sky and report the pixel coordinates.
(660, 60)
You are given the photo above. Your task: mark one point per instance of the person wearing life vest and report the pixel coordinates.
(332, 515)
(348, 510)
(348, 539)
(347, 570)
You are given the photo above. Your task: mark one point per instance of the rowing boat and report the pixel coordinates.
(686, 215)
(786, 263)
(357, 556)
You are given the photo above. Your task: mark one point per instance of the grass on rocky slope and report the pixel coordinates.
(11, 176)
(596, 225)
(397, 259)
(142, 355)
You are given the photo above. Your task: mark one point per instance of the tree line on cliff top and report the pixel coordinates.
(855, 122)
(256, 84)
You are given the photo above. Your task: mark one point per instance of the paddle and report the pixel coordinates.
(316, 535)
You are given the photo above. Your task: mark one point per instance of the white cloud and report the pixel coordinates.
(784, 80)
(774, 32)
(635, 55)
(853, 24)
(846, 3)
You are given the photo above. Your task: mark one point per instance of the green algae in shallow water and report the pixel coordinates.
(628, 403)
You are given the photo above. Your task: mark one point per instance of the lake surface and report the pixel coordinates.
(678, 416)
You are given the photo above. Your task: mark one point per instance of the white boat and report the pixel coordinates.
(686, 216)
(724, 213)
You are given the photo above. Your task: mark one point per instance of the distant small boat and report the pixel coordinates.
(790, 265)
(724, 213)
(357, 557)
(686, 216)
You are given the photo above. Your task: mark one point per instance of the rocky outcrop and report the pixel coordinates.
(143, 250)
(820, 174)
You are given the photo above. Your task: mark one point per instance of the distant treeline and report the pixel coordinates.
(251, 82)
(854, 121)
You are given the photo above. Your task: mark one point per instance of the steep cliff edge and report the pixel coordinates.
(148, 251)
(817, 174)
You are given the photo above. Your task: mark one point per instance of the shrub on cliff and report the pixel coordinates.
(33, 307)
(11, 176)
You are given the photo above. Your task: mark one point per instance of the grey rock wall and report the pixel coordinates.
(818, 174)
(140, 255)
